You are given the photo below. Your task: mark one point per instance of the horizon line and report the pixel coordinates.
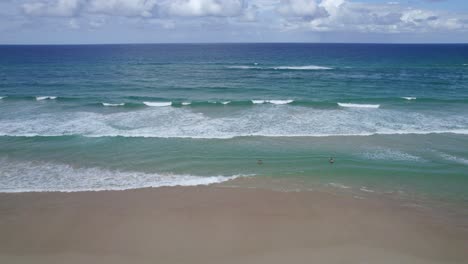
(218, 43)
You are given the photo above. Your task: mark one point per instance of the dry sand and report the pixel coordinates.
(220, 225)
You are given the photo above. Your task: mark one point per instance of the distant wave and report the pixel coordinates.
(109, 104)
(225, 102)
(277, 102)
(158, 103)
(1, 97)
(243, 67)
(409, 98)
(303, 68)
(299, 68)
(52, 177)
(359, 105)
(40, 98)
(186, 103)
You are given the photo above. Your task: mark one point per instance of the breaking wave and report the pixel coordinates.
(276, 102)
(158, 103)
(359, 105)
(40, 98)
(109, 104)
(181, 122)
(52, 177)
(297, 68)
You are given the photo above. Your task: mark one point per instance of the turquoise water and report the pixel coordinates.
(394, 117)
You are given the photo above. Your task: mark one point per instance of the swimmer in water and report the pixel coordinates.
(331, 160)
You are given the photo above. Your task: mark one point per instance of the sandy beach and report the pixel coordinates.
(215, 224)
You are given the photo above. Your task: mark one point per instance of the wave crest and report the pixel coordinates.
(297, 68)
(40, 98)
(109, 104)
(359, 105)
(158, 103)
(277, 102)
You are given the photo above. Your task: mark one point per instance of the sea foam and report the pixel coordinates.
(277, 102)
(184, 122)
(40, 98)
(409, 98)
(453, 158)
(359, 105)
(303, 68)
(390, 155)
(109, 104)
(52, 177)
(158, 103)
(299, 68)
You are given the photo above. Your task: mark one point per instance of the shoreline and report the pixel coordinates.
(220, 224)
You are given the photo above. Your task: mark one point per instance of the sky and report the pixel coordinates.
(194, 21)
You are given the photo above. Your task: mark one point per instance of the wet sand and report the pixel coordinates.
(216, 224)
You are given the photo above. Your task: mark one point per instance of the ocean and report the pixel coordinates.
(110, 117)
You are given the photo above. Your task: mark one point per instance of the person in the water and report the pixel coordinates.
(331, 160)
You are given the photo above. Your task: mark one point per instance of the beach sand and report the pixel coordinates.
(216, 224)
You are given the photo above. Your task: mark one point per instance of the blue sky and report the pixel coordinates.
(161, 21)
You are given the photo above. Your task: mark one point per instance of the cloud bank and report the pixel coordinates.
(243, 17)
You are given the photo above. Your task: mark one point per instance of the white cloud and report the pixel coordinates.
(266, 15)
(301, 8)
(250, 14)
(350, 16)
(198, 8)
(95, 23)
(142, 8)
(73, 24)
(63, 8)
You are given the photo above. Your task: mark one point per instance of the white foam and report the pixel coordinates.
(390, 154)
(243, 67)
(109, 104)
(359, 105)
(277, 102)
(308, 67)
(409, 98)
(258, 101)
(158, 103)
(365, 189)
(46, 177)
(452, 158)
(280, 102)
(339, 185)
(225, 102)
(300, 68)
(186, 103)
(1, 97)
(40, 98)
(281, 121)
